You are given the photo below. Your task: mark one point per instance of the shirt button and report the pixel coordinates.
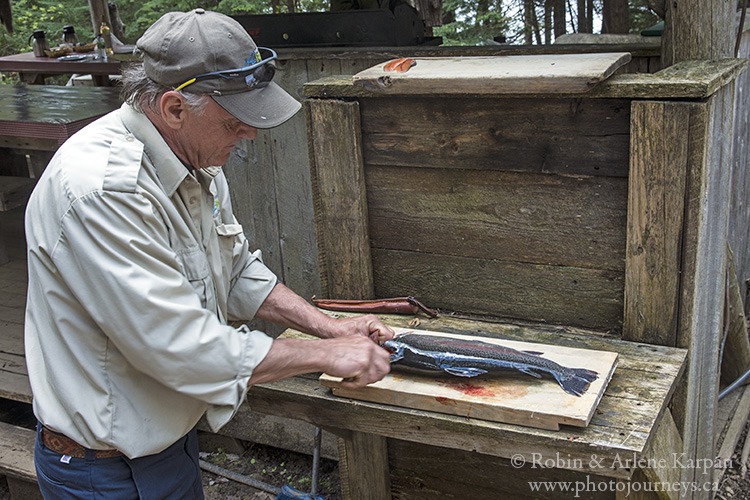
(129, 138)
(192, 200)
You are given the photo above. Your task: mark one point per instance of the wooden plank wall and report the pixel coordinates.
(270, 176)
(418, 471)
(739, 215)
(461, 191)
(270, 184)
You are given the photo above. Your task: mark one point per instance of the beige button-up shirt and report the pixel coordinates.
(135, 267)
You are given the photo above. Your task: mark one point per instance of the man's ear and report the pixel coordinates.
(173, 109)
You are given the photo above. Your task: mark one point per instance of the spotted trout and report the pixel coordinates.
(469, 358)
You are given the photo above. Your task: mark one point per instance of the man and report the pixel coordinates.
(136, 264)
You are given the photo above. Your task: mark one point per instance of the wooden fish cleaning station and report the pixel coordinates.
(531, 210)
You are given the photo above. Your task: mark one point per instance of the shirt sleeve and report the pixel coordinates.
(114, 252)
(250, 287)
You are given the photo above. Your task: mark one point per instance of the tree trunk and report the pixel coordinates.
(548, 22)
(528, 24)
(559, 15)
(583, 24)
(615, 16)
(99, 12)
(535, 24)
(431, 12)
(572, 17)
(697, 29)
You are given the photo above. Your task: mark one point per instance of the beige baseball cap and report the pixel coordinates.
(206, 52)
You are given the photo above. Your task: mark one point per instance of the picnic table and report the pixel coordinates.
(34, 70)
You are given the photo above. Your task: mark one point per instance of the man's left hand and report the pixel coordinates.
(368, 325)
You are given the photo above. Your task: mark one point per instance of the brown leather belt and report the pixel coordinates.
(62, 444)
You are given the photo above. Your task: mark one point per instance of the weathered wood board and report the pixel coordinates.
(16, 452)
(521, 399)
(15, 191)
(526, 74)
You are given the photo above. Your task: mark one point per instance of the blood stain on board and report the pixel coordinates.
(469, 389)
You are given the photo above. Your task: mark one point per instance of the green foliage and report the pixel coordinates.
(473, 31)
(138, 15)
(641, 17)
(466, 22)
(47, 15)
(472, 23)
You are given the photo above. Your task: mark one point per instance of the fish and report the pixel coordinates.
(471, 358)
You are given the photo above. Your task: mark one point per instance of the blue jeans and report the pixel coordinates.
(173, 474)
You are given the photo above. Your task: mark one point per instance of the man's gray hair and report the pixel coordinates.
(139, 90)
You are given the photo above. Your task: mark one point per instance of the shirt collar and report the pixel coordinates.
(168, 167)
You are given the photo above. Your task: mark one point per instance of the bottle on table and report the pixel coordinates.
(106, 34)
(101, 53)
(40, 43)
(69, 36)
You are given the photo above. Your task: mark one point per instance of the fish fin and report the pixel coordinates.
(529, 371)
(464, 372)
(576, 381)
(533, 353)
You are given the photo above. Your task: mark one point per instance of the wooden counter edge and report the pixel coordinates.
(686, 80)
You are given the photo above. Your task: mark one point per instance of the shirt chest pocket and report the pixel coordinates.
(227, 234)
(194, 266)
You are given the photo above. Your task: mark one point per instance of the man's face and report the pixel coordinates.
(210, 137)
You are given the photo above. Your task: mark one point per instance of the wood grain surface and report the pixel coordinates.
(521, 74)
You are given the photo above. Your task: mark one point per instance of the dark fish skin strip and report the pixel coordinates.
(469, 358)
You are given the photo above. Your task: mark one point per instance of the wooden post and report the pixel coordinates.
(704, 279)
(656, 197)
(340, 199)
(698, 29)
(363, 459)
(675, 268)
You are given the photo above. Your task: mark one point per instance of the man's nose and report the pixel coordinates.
(246, 131)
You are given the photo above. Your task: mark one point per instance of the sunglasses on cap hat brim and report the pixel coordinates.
(257, 75)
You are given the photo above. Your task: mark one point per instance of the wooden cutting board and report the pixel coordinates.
(523, 74)
(510, 398)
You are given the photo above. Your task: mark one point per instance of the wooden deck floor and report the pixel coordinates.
(13, 279)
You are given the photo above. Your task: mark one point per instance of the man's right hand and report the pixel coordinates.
(358, 360)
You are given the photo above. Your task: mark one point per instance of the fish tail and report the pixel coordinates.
(575, 381)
